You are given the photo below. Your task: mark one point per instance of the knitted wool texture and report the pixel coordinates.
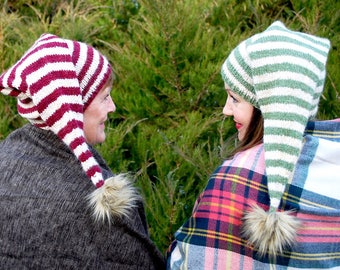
(281, 72)
(54, 82)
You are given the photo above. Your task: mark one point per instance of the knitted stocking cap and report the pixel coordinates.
(282, 73)
(54, 82)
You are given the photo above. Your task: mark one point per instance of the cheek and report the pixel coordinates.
(248, 115)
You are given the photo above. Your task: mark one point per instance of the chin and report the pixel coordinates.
(102, 138)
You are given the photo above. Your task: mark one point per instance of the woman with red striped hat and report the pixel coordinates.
(61, 206)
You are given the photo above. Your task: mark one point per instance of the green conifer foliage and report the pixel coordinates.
(168, 130)
(170, 95)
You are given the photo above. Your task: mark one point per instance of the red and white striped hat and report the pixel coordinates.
(54, 82)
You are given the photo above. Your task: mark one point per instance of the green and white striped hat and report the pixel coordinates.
(282, 73)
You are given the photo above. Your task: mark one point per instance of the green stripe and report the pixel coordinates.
(279, 163)
(239, 77)
(316, 40)
(282, 52)
(286, 67)
(277, 194)
(278, 179)
(279, 38)
(289, 116)
(288, 149)
(286, 99)
(283, 131)
(285, 83)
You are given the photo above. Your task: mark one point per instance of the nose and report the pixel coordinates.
(227, 111)
(111, 106)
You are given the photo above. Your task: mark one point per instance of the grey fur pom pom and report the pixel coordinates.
(115, 198)
(270, 232)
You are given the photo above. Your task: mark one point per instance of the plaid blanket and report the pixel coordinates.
(210, 238)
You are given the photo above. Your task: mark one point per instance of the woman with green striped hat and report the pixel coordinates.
(274, 202)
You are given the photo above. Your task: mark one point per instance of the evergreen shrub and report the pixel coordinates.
(168, 130)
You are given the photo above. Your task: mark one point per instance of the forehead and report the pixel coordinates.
(108, 84)
(230, 92)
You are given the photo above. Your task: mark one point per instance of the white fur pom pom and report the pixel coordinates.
(114, 199)
(270, 232)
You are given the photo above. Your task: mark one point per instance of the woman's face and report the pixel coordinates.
(241, 110)
(96, 114)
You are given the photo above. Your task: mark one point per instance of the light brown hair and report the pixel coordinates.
(254, 133)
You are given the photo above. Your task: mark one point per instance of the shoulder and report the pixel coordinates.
(251, 159)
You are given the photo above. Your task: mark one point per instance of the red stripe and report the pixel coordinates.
(76, 142)
(100, 184)
(89, 58)
(25, 111)
(61, 90)
(26, 100)
(58, 114)
(76, 52)
(36, 49)
(85, 156)
(100, 86)
(94, 77)
(93, 170)
(46, 79)
(71, 125)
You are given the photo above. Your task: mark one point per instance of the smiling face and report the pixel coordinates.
(241, 110)
(96, 113)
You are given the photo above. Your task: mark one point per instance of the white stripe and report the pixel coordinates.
(67, 116)
(283, 59)
(237, 83)
(41, 122)
(82, 57)
(278, 155)
(94, 86)
(275, 202)
(6, 91)
(285, 91)
(53, 85)
(271, 45)
(5, 81)
(275, 186)
(237, 66)
(46, 69)
(90, 162)
(274, 139)
(55, 105)
(75, 133)
(33, 58)
(26, 106)
(31, 116)
(290, 125)
(91, 69)
(285, 108)
(296, 37)
(80, 148)
(285, 75)
(96, 178)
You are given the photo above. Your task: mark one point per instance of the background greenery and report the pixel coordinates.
(168, 129)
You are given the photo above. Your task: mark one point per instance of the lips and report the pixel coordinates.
(238, 126)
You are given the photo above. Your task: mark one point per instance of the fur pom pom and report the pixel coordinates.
(270, 232)
(114, 199)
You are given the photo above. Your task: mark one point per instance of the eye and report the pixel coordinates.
(107, 97)
(234, 100)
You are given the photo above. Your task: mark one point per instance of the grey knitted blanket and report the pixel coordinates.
(45, 222)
